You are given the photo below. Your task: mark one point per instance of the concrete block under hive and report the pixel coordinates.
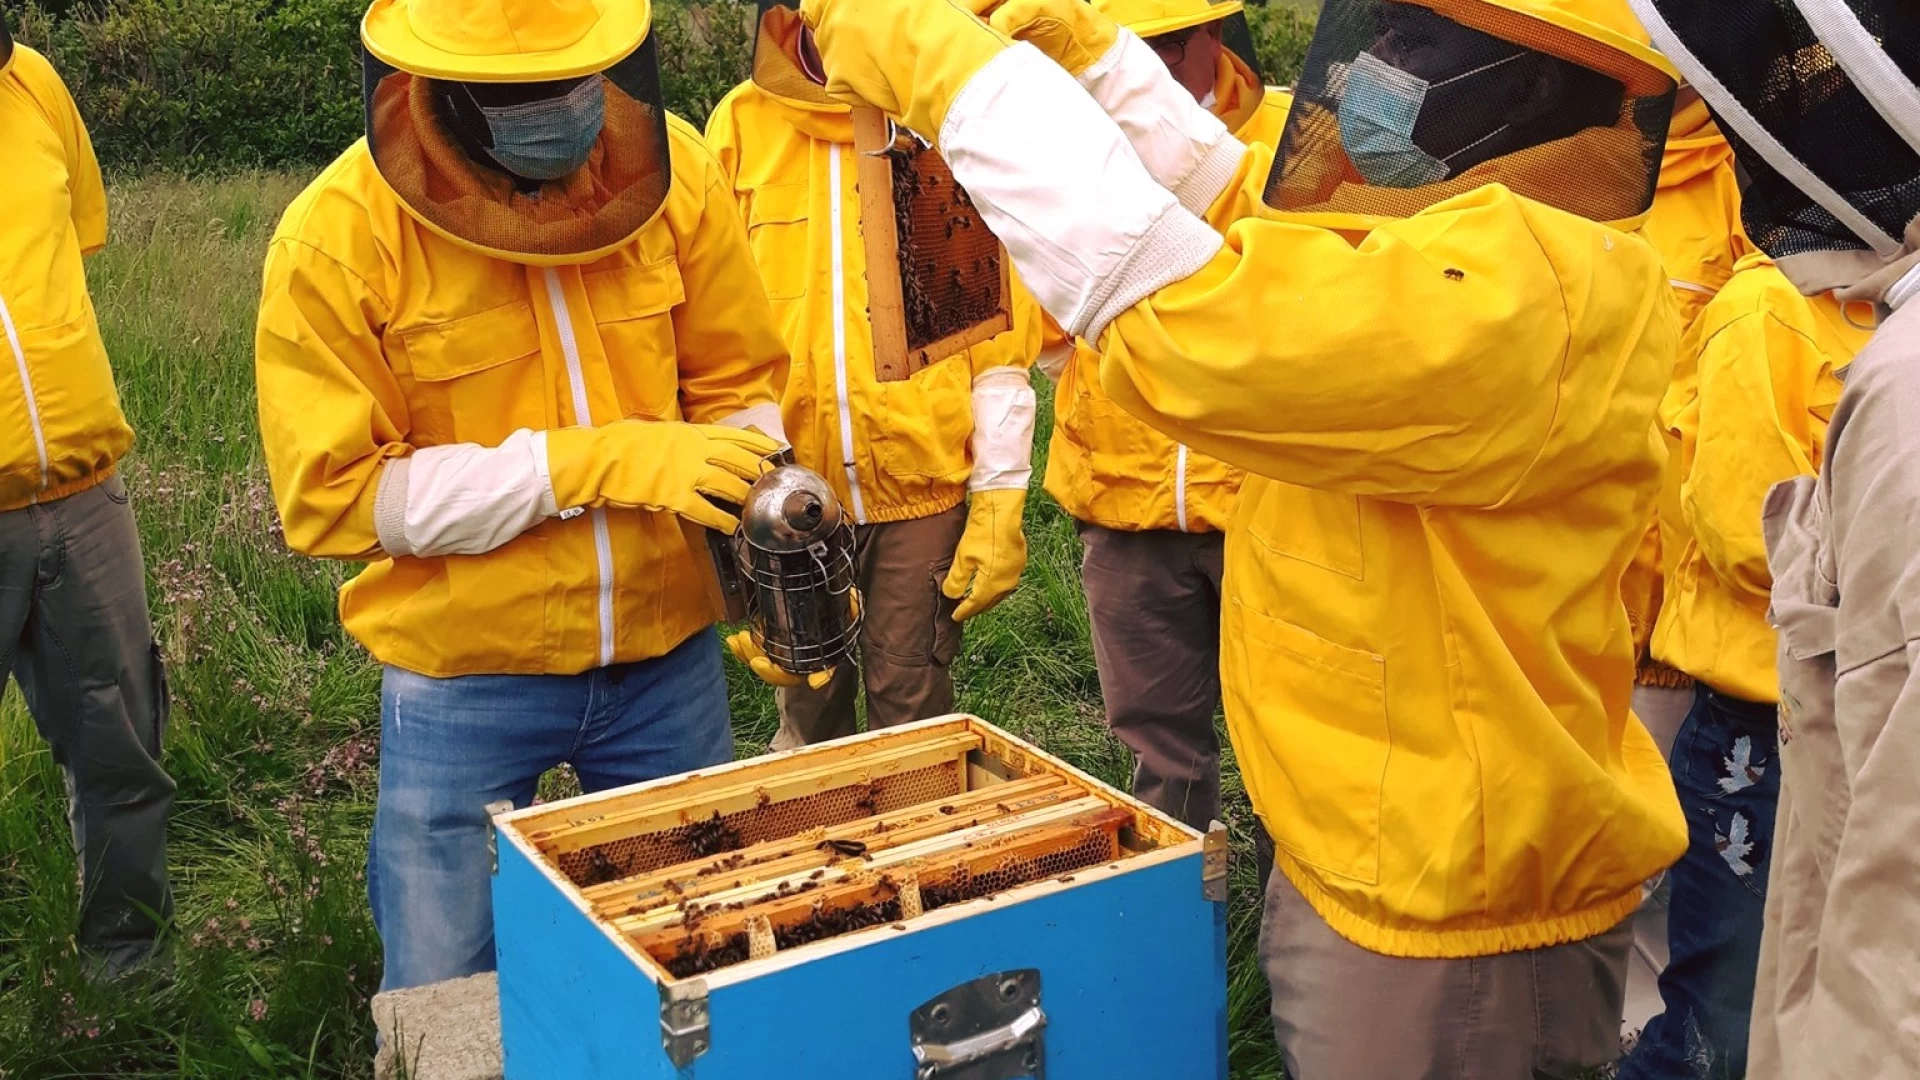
(898, 904)
(938, 281)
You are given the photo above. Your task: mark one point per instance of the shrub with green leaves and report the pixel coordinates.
(224, 85)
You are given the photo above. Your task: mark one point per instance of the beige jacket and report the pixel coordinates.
(1838, 993)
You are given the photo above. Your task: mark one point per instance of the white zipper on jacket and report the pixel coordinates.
(1180, 487)
(840, 338)
(1692, 287)
(26, 387)
(583, 415)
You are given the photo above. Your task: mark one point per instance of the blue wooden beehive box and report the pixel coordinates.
(938, 901)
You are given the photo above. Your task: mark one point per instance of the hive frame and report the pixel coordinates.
(886, 306)
(1174, 841)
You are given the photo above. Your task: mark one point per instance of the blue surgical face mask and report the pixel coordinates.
(1379, 109)
(551, 138)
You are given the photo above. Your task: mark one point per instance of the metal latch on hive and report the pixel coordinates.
(989, 1029)
(494, 810)
(1213, 863)
(684, 1030)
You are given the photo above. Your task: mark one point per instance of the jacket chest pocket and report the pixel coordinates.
(1319, 528)
(476, 378)
(633, 314)
(777, 233)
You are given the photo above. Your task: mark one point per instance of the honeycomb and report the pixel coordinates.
(1094, 848)
(694, 952)
(631, 855)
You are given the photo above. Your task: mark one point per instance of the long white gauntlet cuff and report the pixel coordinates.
(763, 418)
(1183, 145)
(1091, 233)
(1004, 406)
(463, 499)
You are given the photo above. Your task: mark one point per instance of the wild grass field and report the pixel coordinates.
(274, 732)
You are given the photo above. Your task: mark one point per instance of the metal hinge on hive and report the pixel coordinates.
(684, 1033)
(494, 810)
(989, 1029)
(1213, 863)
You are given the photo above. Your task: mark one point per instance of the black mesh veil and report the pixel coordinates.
(421, 148)
(777, 55)
(1827, 173)
(1237, 36)
(1497, 96)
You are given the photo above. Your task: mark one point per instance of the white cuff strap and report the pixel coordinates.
(1183, 145)
(764, 418)
(463, 499)
(1088, 229)
(1004, 405)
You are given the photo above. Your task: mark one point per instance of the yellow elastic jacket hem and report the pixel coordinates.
(1655, 674)
(887, 513)
(1461, 943)
(60, 491)
(410, 652)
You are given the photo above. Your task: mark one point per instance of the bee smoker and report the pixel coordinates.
(788, 571)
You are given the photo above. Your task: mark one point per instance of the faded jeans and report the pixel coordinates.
(448, 747)
(1726, 770)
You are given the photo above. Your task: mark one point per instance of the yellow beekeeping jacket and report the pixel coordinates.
(892, 451)
(61, 429)
(1425, 657)
(1110, 469)
(1695, 226)
(378, 335)
(1767, 365)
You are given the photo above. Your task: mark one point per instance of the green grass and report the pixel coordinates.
(275, 725)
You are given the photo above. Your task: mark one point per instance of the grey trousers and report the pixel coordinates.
(907, 635)
(74, 631)
(1342, 1012)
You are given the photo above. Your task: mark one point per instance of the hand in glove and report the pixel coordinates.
(909, 60)
(749, 652)
(992, 552)
(1073, 33)
(658, 465)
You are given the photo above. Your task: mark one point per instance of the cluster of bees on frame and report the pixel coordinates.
(949, 262)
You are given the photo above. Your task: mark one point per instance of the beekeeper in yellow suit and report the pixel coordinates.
(74, 628)
(934, 468)
(1436, 344)
(505, 342)
(1695, 226)
(1152, 512)
(1767, 364)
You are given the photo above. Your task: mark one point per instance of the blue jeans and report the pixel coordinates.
(448, 747)
(1726, 769)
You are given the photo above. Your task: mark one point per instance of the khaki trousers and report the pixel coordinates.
(1344, 1013)
(908, 638)
(74, 631)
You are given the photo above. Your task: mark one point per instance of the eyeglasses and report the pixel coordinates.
(1172, 48)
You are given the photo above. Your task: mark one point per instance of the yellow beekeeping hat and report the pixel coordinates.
(504, 40)
(1151, 18)
(1599, 34)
